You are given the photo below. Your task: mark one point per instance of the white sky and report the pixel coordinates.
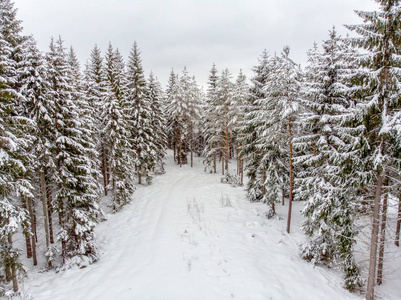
(192, 33)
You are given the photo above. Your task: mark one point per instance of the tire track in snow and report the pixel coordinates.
(232, 257)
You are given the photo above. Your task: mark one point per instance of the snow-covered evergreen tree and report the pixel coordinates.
(195, 109)
(76, 192)
(209, 126)
(173, 110)
(87, 115)
(117, 132)
(283, 94)
(169, 131)
(138, 102)
(183, 107)
(239, 104)
(95, 87)
(224, 96)
(269, 128)
(14, 142)
(254, 112)
(158, 121)
(380, 36)
(327, 181)
(40, 110)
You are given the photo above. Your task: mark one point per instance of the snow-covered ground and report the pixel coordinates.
(188, 236)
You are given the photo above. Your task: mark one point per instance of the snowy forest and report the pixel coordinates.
(77, 138)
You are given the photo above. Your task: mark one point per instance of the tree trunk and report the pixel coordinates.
(35, 223)
(382, 235)
(27, 234)
(242, 170)
(175, 152)
(291, 178)
(227, 145)
(108, 168)
(13, 268)
(237, 162)
(397, 230)
(63, 242)
(33, 230)
(283, 196)
(214, 160)
(264, 181)
(373, 241)
(45, 209)
(222, 163)
(7, 271)
(50, 212)
(180, 149)
(104, 169)
(115, 195)
(185, 161)
(192, 146)
(241, 164)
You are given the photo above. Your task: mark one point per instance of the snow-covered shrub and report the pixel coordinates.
(234, 180)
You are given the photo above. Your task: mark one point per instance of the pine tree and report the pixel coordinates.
(282, 92)
(142, 131)
(95, 86)
(210, 130)
(169, 131)
(88, 118)
(269, 141)
(325, 182)
(379, 35)
(195, 105)
(239, 104)
(14, 143)
(182, 107)
(186, 94)
(158, 121)
(224, 96)
(76, 193)
(40, 110)
(253, 121)
(175, 110)
(117, 132)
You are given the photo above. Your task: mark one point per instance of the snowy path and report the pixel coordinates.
(179, 240)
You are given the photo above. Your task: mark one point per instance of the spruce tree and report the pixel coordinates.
(117, 132)
(95, 87)
(40, 110)
(209, 125)
(176, 109)
(158, 121)
(265, 134)
(239, 104)
(141, 114)
(183, 109)
(171, 140)
(195, 107)
(224, 96)
(76, 190)
(254, 112)
(327, 170)
(380, 36)
(15, 141)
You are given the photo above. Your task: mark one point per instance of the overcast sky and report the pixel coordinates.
(192, 33)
